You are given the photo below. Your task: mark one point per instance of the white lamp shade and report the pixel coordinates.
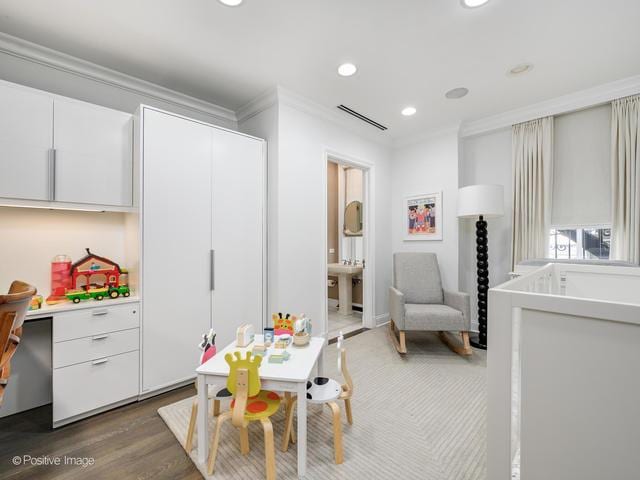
(485, 200)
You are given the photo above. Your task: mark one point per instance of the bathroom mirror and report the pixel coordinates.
(353, 219)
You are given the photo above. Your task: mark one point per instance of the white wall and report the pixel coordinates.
(486, 159)
(296, 201)
(265, 125)
(43, 77)
(32, 237)
(427, 167)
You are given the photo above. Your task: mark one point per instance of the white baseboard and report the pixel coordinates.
(382, 319)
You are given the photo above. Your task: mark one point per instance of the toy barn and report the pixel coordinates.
(95, 270)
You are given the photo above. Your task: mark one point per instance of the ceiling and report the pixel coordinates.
(409, 52)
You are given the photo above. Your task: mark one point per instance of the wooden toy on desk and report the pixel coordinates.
(302, 328)
(244, 335)
(279, 357)
(259, 349)
(283, 341)
(108, 272)
(283, 324)
(36, 302)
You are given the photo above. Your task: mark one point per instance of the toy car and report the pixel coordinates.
(78, 295)
(115, 292)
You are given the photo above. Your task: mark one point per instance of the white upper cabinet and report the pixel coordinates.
(93, 154)
(26, 140)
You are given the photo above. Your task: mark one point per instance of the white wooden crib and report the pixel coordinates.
(563, 368)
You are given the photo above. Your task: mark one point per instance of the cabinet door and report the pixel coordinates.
(94, 154)
(176, 264)
(238, 233)
(26, 139)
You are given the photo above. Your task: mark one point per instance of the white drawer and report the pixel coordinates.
(102, 345)
(86, 386)
(95, 321)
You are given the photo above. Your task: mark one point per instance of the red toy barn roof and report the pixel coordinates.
(90, 256)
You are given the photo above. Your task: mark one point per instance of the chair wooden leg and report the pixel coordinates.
(463, 348)
(347, 409)
(269, 449)
(188, 446)
(288, 426)
(399, 343)
(244, 440)
(216, 408)
(289, 401)
(216, 440)
(337, 432)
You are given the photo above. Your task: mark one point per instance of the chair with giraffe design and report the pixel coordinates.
(249, 404)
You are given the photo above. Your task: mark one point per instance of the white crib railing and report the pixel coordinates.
(564, 374)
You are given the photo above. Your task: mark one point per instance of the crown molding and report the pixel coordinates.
(258, 105)
(35, 53)
(282, 96)
(567, 103)
(413, 139)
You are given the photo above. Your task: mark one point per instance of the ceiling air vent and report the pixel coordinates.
(361, 117)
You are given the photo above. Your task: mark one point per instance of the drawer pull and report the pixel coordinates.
(95, 313)
(100, 337)
(100, 362)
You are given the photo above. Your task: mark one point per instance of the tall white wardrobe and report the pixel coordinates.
(203, 240)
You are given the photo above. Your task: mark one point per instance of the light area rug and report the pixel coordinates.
(418, 416)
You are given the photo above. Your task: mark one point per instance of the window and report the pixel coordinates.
(584, 243)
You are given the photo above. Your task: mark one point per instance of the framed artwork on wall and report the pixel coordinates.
(422, 216)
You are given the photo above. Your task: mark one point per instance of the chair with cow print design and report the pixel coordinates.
(323, 390)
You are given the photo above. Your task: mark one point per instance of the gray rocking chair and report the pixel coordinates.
(417, 302)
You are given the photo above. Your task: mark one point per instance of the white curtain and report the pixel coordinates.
(532, 145)
(625, 179)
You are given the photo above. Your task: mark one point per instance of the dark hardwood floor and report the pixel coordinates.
(131, 442)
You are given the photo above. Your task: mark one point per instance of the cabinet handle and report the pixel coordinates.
(100, 337)
(96, 313)
(52, 174)
(213, 270)
(100, 362)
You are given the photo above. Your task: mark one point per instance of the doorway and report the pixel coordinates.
(348, 296)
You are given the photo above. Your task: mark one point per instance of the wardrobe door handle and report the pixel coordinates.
(213, 270)
(100, 362)
(52, 174)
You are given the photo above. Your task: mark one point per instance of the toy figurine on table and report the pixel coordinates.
(283, 324)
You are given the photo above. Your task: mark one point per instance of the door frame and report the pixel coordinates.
(368, 275)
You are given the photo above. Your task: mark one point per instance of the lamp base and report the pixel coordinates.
(474, 340)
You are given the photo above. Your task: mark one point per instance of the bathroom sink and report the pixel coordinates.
(344, 273)
(340, 269)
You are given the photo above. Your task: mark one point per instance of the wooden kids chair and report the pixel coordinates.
(326, 390)
(208, 347)
(248, 405)
(13, 307)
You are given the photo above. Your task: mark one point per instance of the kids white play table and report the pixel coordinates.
(290, 376)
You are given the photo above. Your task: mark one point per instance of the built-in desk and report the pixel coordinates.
(84, 358)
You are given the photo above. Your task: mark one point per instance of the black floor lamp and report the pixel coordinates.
(481, 201)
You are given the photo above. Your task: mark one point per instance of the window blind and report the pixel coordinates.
(582, 168)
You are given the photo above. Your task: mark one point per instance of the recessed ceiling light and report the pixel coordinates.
(231, 3)
(408, 111)
(473, 3)
(347, 69)
(457, 93)
(520, 69)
